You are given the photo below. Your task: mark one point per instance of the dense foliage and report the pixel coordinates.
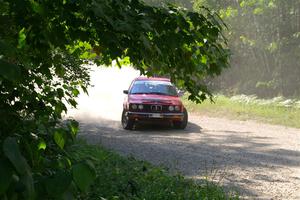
(264, 39)
(43, 46)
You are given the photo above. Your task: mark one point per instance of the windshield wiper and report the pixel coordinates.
(160, 93)
(139, 93)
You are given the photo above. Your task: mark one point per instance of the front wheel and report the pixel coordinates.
(182, 124)
(126, 122)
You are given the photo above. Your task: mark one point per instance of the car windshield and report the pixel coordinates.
(153, 87)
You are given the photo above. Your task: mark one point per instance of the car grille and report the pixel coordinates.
(154, 108)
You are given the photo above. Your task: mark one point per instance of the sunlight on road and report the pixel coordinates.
(106, 96)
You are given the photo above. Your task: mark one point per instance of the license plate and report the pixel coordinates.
(156, 115)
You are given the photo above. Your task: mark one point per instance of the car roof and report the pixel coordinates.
(143, 78)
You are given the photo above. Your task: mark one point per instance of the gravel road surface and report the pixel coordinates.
(259, 161)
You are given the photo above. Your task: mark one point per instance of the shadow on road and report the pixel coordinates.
(165, 128)
(197, 152)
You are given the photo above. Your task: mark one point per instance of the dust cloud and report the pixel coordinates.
(105, 98)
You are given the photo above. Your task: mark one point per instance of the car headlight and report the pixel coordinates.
(134, 106)
(171, 108)
(177, 108)
(141, 107)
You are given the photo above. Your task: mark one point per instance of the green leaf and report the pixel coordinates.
(60, 107)
(60, 93)
(22, 38)
(84, 89)
(42, 145)
(59, 183)
(204, 59)
(60, 71)
(10, 71)
(59, 138)
(36, 7)
(73, 102)
(6, 173)
(74, 127)
(27, 181)
(258, 11)
(75, 92)
(12, 152)
(83, 175)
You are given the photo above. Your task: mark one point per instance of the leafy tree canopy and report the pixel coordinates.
(43, 46)
(43, 35)
(264, 40)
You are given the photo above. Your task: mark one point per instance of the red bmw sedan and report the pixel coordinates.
(153, 99)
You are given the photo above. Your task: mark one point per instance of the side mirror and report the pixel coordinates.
(180, 93)
(125, 91)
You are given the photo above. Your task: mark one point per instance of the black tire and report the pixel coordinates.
(182, 124)
(126, 122)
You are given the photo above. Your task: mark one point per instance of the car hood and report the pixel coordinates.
(154, 99)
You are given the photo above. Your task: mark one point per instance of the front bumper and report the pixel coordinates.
(155, 116)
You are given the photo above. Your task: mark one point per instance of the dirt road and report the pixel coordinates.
(259, 161)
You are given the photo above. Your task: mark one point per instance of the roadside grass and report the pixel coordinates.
(120, 177)
(278, 110)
